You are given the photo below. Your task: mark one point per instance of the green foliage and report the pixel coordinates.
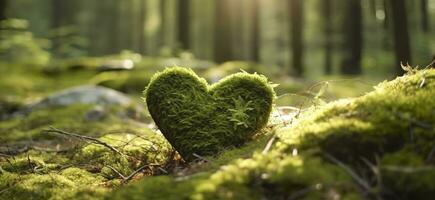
(69, 183)
(202, 119)
(397, 114)
(406, 173)
(19, 45)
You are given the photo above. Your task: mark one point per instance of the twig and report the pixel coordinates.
(300, 193)
(414, 121)
(116, 171)
(431, 154)
(129, 177)
(200, 157)
(5, 155)
(6, 189)
(82, 137)
(269, 144)
(361, 182)
(30, 163)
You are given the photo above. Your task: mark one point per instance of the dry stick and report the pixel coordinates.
(365, 186)
(91, 139)
(5, 155)
(269, 144)
(200, 157)
(116, 171)
(129, 177)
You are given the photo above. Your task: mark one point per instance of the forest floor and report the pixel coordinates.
(335, 139)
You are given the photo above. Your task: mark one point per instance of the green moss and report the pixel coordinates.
(406, 176)
(275, 176)
(202, 119)
(71, 118)
(396, 115)
(160, 187)
(72, 183)
(139, 148)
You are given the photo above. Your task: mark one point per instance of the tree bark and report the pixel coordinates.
(296, 19)
(352, 28)
(141, 25)
(59, 17)
(184, 24)
(327, 31)
(424, 16)
(223, 33)
(400, 34)
(3, 5)
(255, 31)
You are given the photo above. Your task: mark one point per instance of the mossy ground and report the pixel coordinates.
(385, 137)
(375, 146)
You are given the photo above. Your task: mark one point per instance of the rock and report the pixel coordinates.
(96, 114)
(86, 94)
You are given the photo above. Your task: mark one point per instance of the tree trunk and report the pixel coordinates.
(296, 19)
(141, 25)
(400, 33)
(184, 24)
(352, 28)
(3, 5)
(255, 31)
(424, 16)
(59, 19)
(223, 33)
(372, 6)
(327, 31)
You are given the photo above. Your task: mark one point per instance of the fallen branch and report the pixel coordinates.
(269, 144)
(361, 182)
(200, 157)
(86, 138)
(5, 155)
(129, 177)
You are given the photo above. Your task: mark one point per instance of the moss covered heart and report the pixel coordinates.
(204, 119)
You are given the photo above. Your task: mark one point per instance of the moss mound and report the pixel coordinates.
(67, 184)
(202, 119)
(380, 145)
(397, 115)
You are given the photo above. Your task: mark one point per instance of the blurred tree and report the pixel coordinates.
(424, 15)
(255, 30)
(327, 31)
(61, 17)
(223, 33)
(400, 33)
(114, 30)
(141, 25)
(372, 7)
(297, 44)
(3, 5)
(184, 24)
(353, 40)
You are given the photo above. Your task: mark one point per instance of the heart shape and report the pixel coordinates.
(205, 119)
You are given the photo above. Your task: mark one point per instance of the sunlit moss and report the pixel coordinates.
(397, 114)
(71, 183)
